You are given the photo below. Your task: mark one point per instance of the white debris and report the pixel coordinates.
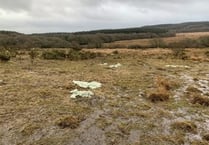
(115, 66)
(91, 85)
(177, 66)
(83, 94)
(203, 86)
(104, 64)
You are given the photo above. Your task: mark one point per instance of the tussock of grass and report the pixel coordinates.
(162, 82)
(206, 137)
(162, 91)
(192, 90)
(68, 122)
(165, 83)
(202, 100)
(158, 96)
(29, 129)
(199, 142)
(186, 126)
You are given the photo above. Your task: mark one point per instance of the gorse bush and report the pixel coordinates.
(5, 55)
(135, 46)
(71, 54)
(157, 43)
(81, 55)
(179, 53)
(54, 54)
(33, 54)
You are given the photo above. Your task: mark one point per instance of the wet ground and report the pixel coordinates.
(35, 98)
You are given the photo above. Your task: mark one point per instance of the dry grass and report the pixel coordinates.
(35, 107)
(202, 100)
(186, 126)
(162, 91)
(68, 122)
(159, 95)
(206, 137)
(146, 42)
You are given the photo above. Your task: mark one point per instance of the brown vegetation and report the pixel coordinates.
(35, 104)
(202, 100)
(186, 126)
(162, 90)
(68, 122)
(206, 137)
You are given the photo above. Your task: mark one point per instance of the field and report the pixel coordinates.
(167, 40)
(153, 98)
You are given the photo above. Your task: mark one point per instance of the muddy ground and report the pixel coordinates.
(36, 108)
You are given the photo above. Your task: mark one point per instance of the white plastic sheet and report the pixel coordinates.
(84, 94)
(91, 85)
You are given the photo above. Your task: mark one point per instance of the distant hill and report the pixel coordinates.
(96, 38)
(162, 28)
(183, 27)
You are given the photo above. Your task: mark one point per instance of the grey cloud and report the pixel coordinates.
(15, 5)
(74, 15)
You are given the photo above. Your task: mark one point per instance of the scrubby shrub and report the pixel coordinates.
(71, 54)
(54, 54)
(204, 41)
(157, 43)
(135, 46)
(186, 43)
(5, 55)
(33, 54)
(88, 55)
(75, 46)
(179, 53)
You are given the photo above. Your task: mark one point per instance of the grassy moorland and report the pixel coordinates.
(167, 41)
(157, 97)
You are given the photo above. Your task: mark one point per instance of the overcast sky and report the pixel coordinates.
(34, 16)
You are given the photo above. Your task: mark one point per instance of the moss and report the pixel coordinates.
(186, 126)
